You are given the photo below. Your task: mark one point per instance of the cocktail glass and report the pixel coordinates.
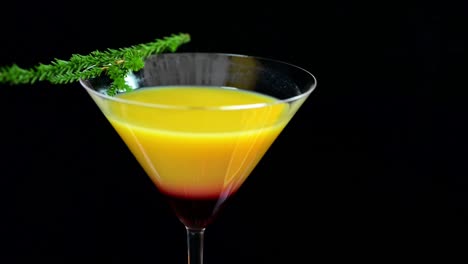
(199, 123)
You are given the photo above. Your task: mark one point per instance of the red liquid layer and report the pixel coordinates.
(196, 212)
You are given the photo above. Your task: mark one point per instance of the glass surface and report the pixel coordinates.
(198, 124)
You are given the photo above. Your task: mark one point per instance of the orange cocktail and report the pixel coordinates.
(201, 153)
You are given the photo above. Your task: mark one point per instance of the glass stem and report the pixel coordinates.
(195, 239)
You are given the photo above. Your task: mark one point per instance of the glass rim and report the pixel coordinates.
(224, 107)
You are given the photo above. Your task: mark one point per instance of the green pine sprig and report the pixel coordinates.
(116, 63)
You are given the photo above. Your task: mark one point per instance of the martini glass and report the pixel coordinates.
(199, 123)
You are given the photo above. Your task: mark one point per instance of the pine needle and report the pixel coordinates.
(116, 63)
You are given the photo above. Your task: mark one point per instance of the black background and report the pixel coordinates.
(372, 167)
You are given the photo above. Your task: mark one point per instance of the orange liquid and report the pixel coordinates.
(193, 152)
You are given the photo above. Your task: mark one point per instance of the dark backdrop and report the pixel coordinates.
(372, 167)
